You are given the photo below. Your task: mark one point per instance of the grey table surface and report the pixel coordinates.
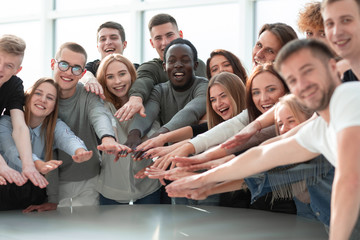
(157, 222)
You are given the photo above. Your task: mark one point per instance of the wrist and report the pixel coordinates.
(136, 99)
(258, 125)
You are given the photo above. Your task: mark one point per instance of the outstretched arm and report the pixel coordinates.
(255, 160)
(21, 137)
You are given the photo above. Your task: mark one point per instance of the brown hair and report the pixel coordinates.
(113, 25)
(234, 61)
(161, 19)
(282, 31)
(325, 3)
(49, 123)
(250, 105)
(310, 16)
(301, 113)
(101, 76)
(12, 44)
(234, 88)
(73, 47)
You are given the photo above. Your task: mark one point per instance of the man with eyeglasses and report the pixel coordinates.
(74, 184)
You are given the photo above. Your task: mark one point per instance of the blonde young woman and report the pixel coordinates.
(117, 184)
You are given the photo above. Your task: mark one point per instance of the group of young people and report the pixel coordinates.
(114, 132)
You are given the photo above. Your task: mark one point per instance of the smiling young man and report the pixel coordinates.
(179, 102)
(309, 70)
(163, 29)
(342, 29)
(110, 39)
(74, 184)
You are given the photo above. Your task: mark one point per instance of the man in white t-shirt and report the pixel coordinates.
(309, 70)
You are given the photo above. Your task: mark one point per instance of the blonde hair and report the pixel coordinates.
(301, 113)
(234, 88)
(13, 45)
(101, 76)
(49, 123)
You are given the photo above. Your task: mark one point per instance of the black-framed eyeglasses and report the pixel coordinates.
(64, 66)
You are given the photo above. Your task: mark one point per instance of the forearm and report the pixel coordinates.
(21, 136)
(178, 135)
(226, 187)
(345, 206)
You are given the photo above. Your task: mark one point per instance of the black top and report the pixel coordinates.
(12, 95)
(349, 76)
(199, 129)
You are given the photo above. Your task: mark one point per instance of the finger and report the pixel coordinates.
(125, 114)
(162, 181)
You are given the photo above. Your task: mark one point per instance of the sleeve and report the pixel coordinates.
(7, 145)
(92, 66)
(220, 133)
(309, 134)
(193, 110)
(201, 69)
(17, 98)
(100, 117)
(198, 129)
(65, 139)
(148, 75)
(344, 106)
(152, 109)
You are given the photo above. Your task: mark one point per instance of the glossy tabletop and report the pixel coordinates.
(157, 222)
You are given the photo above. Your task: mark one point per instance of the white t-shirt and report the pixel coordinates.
(318, 137)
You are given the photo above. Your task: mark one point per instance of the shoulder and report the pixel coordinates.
(346, 93)
(156, 63)
(13, 84)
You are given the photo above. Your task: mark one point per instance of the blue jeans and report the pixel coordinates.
(153, 198)
(320, 195)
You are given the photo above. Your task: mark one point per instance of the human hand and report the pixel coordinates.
(134, 105)
(110, 146)
(243, 136)
(2, 181)
(151, 143)
(159, 152)
(30, 172)
(81, 155)
(172, 174)
(11, 176)
(45, 167)
(210, 164)
(92, 85)
(41, 208)
(190, 187)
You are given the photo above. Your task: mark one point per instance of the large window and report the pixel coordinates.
(209, 24)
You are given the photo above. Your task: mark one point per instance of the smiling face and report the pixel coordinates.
(285, 119)
(342, 28)
(180, 66)
(109, 41)
(219, 64)
(9, 66)
(265, 49)
(221, 102)
(118, 80)
(42, 102)
(67, 80)
(162, 35)
(309, 79)
(266, 89)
